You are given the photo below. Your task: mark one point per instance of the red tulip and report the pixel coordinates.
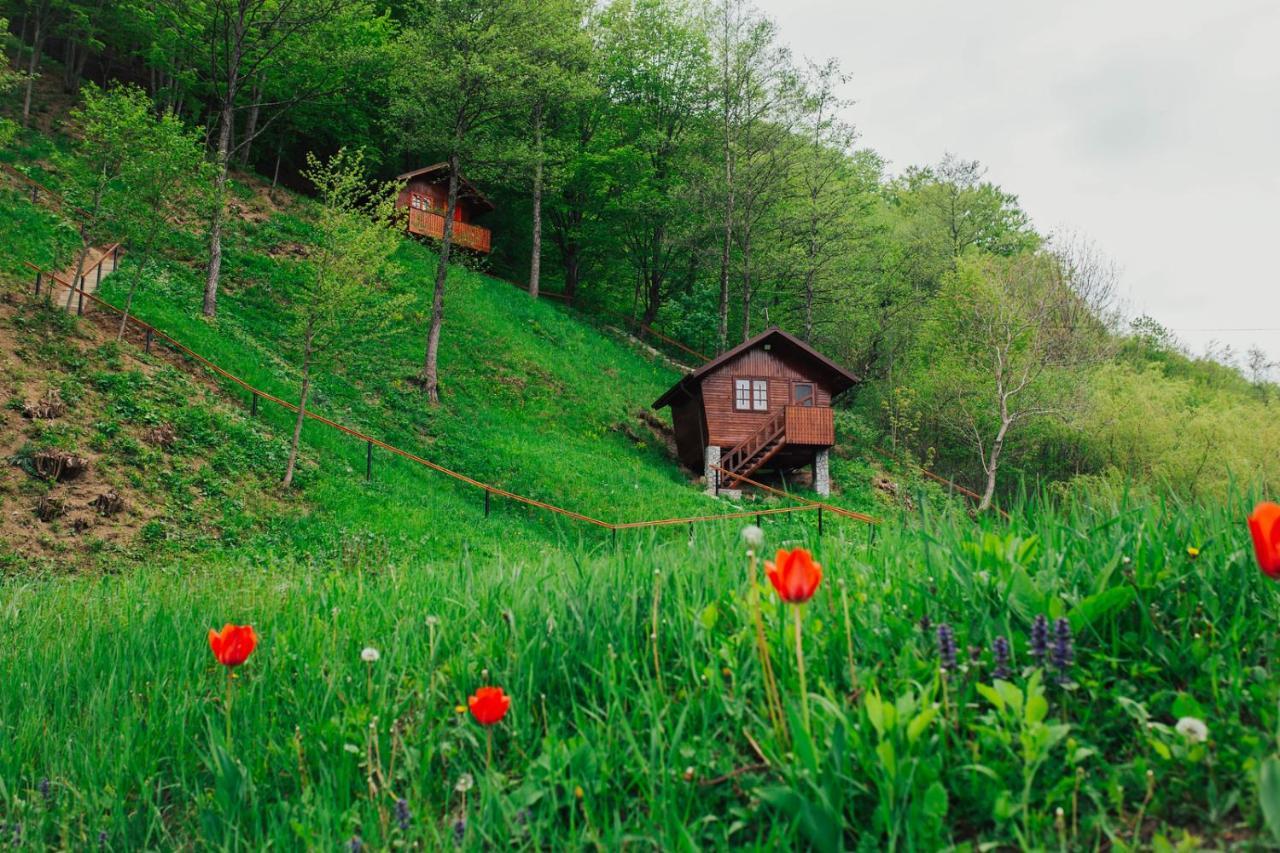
(233, 644)
(795, 575)
(489, 705)
(1264, 525)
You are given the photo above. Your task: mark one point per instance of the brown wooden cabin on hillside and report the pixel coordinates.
(764, 403)
(426, 196)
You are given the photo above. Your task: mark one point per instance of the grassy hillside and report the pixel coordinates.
(536, 400)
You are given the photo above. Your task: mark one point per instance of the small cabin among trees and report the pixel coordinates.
(425, 195)
(764, 403)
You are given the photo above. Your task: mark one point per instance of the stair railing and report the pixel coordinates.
(769, 432)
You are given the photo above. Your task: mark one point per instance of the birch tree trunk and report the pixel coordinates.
(431, 364)
(535, 259)
(302, 410)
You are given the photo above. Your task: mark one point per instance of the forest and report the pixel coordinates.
(677, 163)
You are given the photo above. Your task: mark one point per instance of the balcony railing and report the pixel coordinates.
(810, 425)
(430, 224)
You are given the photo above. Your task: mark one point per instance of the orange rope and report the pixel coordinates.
(426, 462)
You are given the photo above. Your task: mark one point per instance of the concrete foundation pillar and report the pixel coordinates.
(822, 472)
(711, 458)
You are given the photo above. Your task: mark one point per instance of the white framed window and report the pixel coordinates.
(759, 395)
(742, 394)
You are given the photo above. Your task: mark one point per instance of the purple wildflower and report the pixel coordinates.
(355, 845)
(459, 830)
(1039, 639)
(1000, 650)
(402, 814)
(102, 838)
(925, 624)
(946, 647)
(46, 790)
(1062, 648)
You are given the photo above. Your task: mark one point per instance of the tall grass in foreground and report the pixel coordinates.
(629, 730)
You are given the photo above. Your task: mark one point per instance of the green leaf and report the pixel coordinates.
(1269, 794)
(1037, 708)
(992, 695)
(935, 801)
(1185, 705)
(1097, 608)
(709, 615)
(921, 722)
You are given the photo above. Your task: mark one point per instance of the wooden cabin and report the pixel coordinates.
(425, 195)
(764, 403)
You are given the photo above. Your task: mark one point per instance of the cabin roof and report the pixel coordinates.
(839, 379)
(470, 188)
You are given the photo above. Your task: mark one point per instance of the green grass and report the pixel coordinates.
(112, 715)
(114, 697)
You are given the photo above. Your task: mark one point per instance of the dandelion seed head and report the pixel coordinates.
(369, 654)
(1193, 729)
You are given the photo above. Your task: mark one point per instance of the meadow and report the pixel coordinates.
(638, 713)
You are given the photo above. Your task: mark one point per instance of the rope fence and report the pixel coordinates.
(151, 333)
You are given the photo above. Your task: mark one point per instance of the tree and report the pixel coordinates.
(42, 14)
(657, 71)
(1009, 335)
(245, 42)
(8, 80)
(109, 121)
(459, 76)
(555, 77)
(340, 293)
(165, 174)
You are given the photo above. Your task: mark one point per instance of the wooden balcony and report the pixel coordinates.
(430, 224)
(812, 425)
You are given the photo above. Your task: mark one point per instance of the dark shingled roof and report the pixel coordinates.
(468, 187)
(839, 378)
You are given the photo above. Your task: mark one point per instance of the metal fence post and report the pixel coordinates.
(486, 503)
(35, 193)
(819, 521)
(98, 284)
(253, 410)
(80, 305)
(39, 275)
(148, 345)
(368, 462)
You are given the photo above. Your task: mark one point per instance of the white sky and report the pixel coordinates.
(1150, 126)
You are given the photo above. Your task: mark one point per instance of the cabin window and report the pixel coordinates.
(804, 393)
(417, 202)
(751, 395)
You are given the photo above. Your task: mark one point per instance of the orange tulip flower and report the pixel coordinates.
(233, 644)
(489, 705)
(795, 575)
(1264, 525)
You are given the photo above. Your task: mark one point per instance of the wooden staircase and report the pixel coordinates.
(755, 450)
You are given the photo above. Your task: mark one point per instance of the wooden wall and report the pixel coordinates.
(438, 192)
(726, 426)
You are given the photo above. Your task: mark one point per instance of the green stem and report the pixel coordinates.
(229, 673)
(804, 690)
(488, 750)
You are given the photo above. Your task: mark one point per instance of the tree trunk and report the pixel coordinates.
(571, 274)
(302, 412)
(137, 278)
(431, 364)
(219, 202)
(535, 259)
(993, 462)
(251, 126)
(84, 256)
(37, 45)
(225, 132)
(746, 285)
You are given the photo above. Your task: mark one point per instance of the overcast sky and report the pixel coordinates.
(1150, 126)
